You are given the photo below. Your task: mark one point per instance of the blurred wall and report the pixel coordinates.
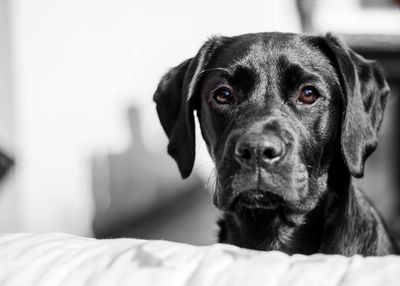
(6, 106)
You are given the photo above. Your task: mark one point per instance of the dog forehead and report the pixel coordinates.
(269, 51)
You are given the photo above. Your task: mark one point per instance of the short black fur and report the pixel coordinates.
(284, 160)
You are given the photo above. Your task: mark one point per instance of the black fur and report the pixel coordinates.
(284, 168)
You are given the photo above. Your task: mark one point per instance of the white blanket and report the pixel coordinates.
(61, 259)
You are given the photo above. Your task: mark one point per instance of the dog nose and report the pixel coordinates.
(254, 149)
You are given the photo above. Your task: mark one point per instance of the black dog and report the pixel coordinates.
(288, 120)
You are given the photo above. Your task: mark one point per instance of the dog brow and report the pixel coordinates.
(223, 70)
(292, 74)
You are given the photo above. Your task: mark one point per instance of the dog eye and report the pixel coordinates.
(223, 96)
(308, 95)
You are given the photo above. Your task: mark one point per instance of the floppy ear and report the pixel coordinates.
(365, 92)
(174, 98)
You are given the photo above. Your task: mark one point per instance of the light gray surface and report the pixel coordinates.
(60, 259)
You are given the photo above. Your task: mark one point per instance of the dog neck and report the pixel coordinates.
(352, 226)
(274, 230)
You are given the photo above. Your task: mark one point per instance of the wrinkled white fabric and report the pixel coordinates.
(62, 259)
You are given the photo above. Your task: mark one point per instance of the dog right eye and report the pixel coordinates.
(223, 96)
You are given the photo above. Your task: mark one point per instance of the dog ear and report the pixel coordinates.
(175, 100)
(365, 92)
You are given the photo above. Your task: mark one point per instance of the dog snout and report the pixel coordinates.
(252, 149)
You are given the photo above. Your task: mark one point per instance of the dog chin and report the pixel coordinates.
(262, 190)
(230, 199)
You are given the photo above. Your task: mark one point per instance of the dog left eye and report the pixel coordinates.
(223, 96)
(308, 95)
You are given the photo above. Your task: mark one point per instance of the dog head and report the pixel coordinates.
(273, 110)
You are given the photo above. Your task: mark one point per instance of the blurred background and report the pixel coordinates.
(82, 150)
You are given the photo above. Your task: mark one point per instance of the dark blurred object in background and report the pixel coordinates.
(5, 164)
(306, 9)
(379, 3)
(140, 194)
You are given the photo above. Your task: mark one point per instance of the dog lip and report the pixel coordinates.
(256, 199)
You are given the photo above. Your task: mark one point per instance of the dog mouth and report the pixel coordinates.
(256, 199)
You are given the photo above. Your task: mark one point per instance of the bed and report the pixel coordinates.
(62, 259)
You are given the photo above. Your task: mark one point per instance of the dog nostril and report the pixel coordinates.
(272, 152)
(243, 152)
(269, 153)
